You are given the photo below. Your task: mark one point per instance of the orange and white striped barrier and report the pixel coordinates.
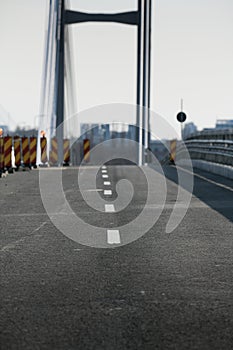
(66, 150)
(53, 154)
(86, 150)
(43, 147)
(172, 151)
(17, 151)
(7, 151)
(32, 148)
(1, 153)
(25, 151)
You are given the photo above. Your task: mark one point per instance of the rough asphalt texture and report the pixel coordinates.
(163, 291)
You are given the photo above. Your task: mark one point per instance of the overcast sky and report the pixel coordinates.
(192, 57)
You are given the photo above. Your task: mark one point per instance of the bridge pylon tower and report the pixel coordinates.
(61, 17)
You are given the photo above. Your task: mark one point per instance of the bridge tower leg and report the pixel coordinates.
(143, 77)
(146, 74)
(139, 102)
(60, 88)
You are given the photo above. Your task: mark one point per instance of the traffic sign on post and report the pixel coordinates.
(181, 117)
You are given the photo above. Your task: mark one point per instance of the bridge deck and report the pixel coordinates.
(168, 291)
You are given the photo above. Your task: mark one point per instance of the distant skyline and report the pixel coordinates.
(192, 55)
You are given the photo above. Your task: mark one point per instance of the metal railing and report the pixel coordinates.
(212, 150)
(212, 134)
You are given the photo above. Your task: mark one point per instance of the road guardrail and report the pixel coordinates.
(216, 151)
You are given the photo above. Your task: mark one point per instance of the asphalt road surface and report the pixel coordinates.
(160, 291)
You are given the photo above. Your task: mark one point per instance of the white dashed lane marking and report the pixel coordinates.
(109, 208)
(107, 192)
(113, 237)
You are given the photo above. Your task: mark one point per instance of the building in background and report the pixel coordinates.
(96, 133)
(27, 132)
(224, 124)
(189, 130)
(223, 129)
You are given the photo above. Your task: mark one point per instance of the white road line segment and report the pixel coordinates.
(206, 179)
(107, 192)
(113, 237)
(109, 208)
